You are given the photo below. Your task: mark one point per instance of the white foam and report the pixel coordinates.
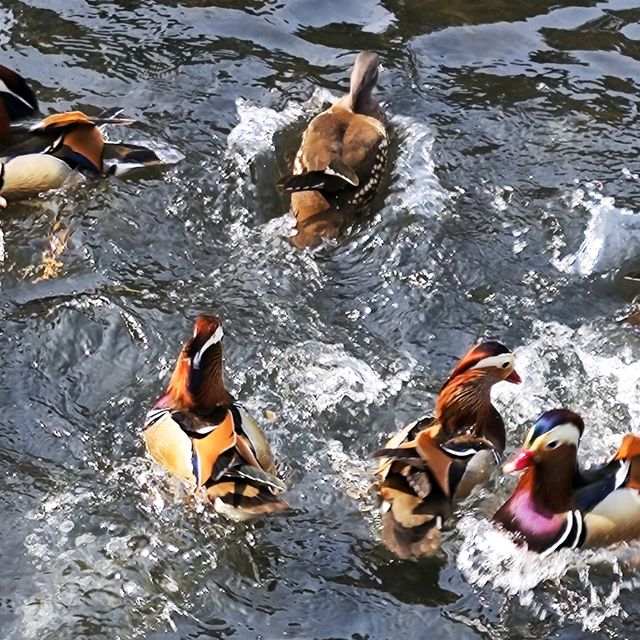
(415, 186)
(103, 565)
(489, 558)
(577, 368)
(7, 21)
(257, 126)
(323, 375)
(612, 235)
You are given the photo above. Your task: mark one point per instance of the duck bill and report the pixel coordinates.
(514, 377)
(522, 460)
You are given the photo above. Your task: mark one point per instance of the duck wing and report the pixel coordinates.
(340, 151)
(422, 479)
(223, 453)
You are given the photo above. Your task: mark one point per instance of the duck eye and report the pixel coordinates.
(505, 365)
(553, 444)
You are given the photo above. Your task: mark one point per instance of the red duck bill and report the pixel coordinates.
(520, 461)
(514, 377)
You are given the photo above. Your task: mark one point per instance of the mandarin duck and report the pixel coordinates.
(433, 463)
(198, 432)
(341, 159)
(57, 150)
(556, 504)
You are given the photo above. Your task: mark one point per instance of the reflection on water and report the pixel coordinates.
(509, 210)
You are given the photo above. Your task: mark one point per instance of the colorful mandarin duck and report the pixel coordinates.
(558, 505)
(197, 432)
(435, 462)
(57, 150)
(341, 159)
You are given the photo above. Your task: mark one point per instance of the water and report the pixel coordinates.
(510, 210)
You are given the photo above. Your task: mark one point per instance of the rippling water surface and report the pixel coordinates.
(510, 209)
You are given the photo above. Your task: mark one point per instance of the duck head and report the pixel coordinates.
(551, 443)
(465, 398)
(17, 100)
(197, 383)
(364, 78)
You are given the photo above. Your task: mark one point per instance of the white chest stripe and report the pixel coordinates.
(574, 518)
(622, 473)
(460, 453)
(153, 416)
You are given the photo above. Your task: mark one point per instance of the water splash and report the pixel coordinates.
(325, 374)
(612, 235)
(566, 586)
(109, 569)
(595, 371)
(257, 126)
(415, 185)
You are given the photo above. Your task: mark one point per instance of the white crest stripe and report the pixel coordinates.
(214, 339)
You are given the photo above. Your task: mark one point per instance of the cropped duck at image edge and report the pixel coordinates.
(59, 150)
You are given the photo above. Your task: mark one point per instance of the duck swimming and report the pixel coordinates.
(341, 159)
(556, 504)
(198, 432)
(435, 462)
(57, 150)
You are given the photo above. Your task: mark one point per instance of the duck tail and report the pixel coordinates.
(120, 158)
(413, 510)
(242, 500)
(335, 177)
(409, 529)
(247, 492)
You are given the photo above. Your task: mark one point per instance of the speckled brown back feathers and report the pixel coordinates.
(341, 159)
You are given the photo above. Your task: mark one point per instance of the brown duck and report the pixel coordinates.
(433, 463)
(58, 150)
(341, 159)
(198, 432)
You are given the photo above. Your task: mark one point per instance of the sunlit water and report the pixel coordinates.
(509, 210)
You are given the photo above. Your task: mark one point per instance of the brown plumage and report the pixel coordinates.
(57, 151)
(431, 464)
(341, 159)
(556, 504)
(198, 432)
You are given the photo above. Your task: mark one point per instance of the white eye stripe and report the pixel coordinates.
(566, 433)
(528, 441)
(496, 361)
(214, 339)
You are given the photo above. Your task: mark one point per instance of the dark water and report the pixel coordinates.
(509, 210)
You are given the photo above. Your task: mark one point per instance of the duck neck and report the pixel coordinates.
(465, 402)
(550, 485)
(200, 389)
(363, 102)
